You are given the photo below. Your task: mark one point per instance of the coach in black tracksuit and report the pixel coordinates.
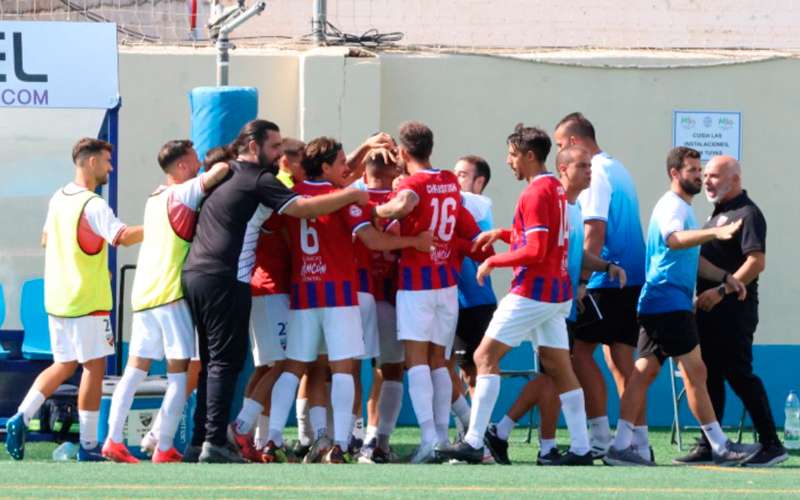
(216, 275)
(725, 325)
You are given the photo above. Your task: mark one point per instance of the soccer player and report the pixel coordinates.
(668, 325)
(77, 295)
(476, 303)
(539, 299)
(216, 275)
(269, 318)
(427, 299)
(613, 231)
(162, 323)
(574, 167)
(324, 302)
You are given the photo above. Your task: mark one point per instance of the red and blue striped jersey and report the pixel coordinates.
(323, 263)
(439, 210)
(374, 281)
(542, 207)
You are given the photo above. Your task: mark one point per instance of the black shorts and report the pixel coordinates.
(472, 324)
(619, 325)
(667, 334)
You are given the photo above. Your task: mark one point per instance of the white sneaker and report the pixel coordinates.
(148, 444)
(423, 454)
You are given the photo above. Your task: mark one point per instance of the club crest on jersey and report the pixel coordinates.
(723, 219)
(355, 211)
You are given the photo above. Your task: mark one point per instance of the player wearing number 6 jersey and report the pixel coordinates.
(539, 300)
(427, 298)
(323, 300)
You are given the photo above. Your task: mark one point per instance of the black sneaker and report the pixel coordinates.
(498, 447)
(354, 446)
(213, 454)
(700, 454)
(299, 450)
(736, 453)
(628, 457)
(770, 454)
(191, 455)
(460, 451)
(570, 458)
(549, 458)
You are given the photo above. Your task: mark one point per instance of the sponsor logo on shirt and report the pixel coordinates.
(313, 268)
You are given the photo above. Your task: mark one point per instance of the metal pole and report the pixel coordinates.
(320, 21)
(223, 59)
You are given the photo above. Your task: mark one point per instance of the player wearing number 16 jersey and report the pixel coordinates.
(323, 300)
(427, 298)
(539, 299)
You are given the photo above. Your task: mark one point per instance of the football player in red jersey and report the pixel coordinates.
(323, 300)
(427, 298)
(540, 298)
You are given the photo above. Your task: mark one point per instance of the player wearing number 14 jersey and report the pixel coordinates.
(538, 302)
(323, 300)
(427, 298)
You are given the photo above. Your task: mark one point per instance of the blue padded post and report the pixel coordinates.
(218, 113)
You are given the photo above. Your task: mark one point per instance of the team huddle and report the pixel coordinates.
(314, 262)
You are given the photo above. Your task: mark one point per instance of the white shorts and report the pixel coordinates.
(428, 315)
(338, 329)
(80, 339)
(518, 319)
(369, 325)
(163, 331)
(391, 348)
(269, 320)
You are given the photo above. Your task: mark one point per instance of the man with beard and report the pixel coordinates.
(665, 313)
(725, 326)
(217, 272)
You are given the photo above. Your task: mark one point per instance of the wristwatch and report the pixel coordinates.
(721, 290)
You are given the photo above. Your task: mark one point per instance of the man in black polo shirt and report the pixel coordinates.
(216, 275)
(726, 325)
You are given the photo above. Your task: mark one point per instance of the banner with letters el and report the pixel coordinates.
(58, 65)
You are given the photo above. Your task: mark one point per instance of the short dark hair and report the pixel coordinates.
(320, 150)
(172, 150)
(568, 154)
(534, 139)
(417, 139)
(677, 155)
(481, 167)
(254, 130)
(216, 155)
(578, 125)
(293, 147)
(89, 146)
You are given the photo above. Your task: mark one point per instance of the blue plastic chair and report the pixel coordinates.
(36, 343)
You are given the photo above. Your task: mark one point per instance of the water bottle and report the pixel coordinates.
(791, 428)
(65, 451)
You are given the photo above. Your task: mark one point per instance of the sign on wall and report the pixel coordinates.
(710, 132)
(58, 65)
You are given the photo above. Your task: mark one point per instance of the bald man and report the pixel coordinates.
(726, 325)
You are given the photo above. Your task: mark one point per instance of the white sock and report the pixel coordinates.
(88, 428)
(599, 429)
(31, 404)
(487, 388)
(461, 410)
(122, 400)
(545, 445)
(389, 404)
(343, 392)
(716, 437)
(305, 431)
(246, 419)
(641, 441)
(572, 405)
(504, 427)
(171, 409)
(261, 432)
(358, 427)
(319, 421)
(372, 433)
(442, 396)
(155, 429)
(420, 388)
(624, 435)
(283, 394)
